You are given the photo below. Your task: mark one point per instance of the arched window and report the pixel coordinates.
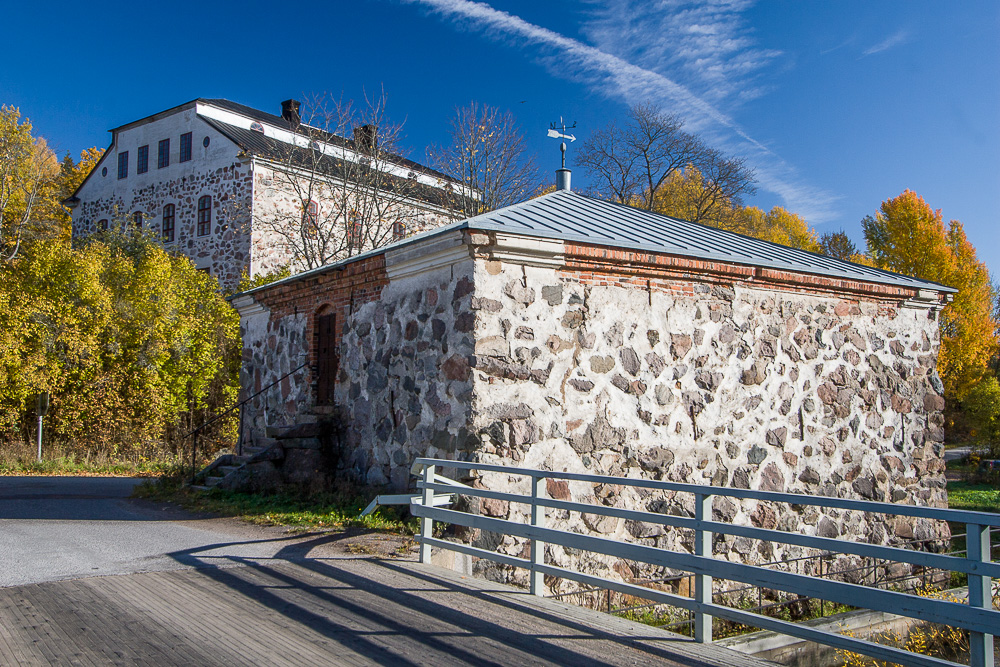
(310, 219)
(204, 215)
(168, 223)
(256, 127)
(137, 219)
(398, 230)
(102, 224)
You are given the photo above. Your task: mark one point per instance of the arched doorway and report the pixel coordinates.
(326, 355)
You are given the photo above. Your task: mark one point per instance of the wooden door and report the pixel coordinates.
(326, 362)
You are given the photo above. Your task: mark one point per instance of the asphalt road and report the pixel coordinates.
(54, 528)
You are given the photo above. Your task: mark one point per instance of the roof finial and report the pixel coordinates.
(558, 131)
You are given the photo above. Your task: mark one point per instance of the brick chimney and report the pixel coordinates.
(290, 112)
(366, 138)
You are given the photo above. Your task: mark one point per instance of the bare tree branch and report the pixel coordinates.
(488, 155)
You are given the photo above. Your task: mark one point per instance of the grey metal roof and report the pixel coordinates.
(569, 216)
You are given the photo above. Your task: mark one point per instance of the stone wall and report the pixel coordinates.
(405, 378)
(543, 355)
(709, 384)
(224, 251)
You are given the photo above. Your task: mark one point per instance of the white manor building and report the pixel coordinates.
(201, 176)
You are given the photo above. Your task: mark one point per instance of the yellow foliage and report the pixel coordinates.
(907, 236)
(119, 332)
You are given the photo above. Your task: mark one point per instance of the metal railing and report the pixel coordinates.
(977, 616)
(196, 432)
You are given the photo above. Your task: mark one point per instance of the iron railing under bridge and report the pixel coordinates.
(977, 616)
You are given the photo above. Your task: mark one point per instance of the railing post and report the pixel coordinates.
(977, 548)
(426, 523)
(537, 548)
(703, 582)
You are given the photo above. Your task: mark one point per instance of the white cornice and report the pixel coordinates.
(528, 250)
(435, 253)
(247, 306)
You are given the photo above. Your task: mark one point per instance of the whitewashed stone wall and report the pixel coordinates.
(278, 201)
(737, 387)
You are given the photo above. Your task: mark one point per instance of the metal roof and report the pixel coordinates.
(569, 216)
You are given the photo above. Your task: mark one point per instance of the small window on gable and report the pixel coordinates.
(142, 160)
(256, 127)
(204, 215)
(168, 223)
(398, 230)
(163, 154)
(104, 171)
(102, 224)
(123, 164)
(185, 147)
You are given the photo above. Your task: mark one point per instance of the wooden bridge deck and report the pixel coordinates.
(320, 612)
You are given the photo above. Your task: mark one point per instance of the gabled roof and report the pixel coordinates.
(260, 145)
(257, 144)
(568, 216)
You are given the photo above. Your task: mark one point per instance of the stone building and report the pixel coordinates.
(574, 334)
(203, 175)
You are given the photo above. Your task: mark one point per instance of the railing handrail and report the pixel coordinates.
(916, 511)
(243, 402)
(978, 616)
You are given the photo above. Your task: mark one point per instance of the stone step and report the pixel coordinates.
(198, 487)
(212, 481)
(225, 470)
(310, 430)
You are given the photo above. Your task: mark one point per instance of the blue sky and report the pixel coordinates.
(837, 105)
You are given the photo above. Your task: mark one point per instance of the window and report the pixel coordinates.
(137, 219)
(398, 230)
(185, 147)
(104, 171)
(168, 223)
(142, 160)
(204, 215)
(206, 141)
(163, 154)
(354, 231)
(256, 127)
(310, 215)
(102, 224)
(123, 164)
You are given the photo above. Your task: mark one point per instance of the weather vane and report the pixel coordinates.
(558, 131)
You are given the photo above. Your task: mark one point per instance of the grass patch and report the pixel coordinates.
(976, 497)
(335, 510)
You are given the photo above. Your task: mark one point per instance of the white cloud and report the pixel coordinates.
(895, 39)
(634, 83)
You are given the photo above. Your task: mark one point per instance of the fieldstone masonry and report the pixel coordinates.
(546, 355)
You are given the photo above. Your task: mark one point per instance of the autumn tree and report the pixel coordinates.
(126, 337)
(909, 237)
(777, 226)
(28, 169)
(347, 186)
(489, 157)
(648, 161)
(839, 245)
